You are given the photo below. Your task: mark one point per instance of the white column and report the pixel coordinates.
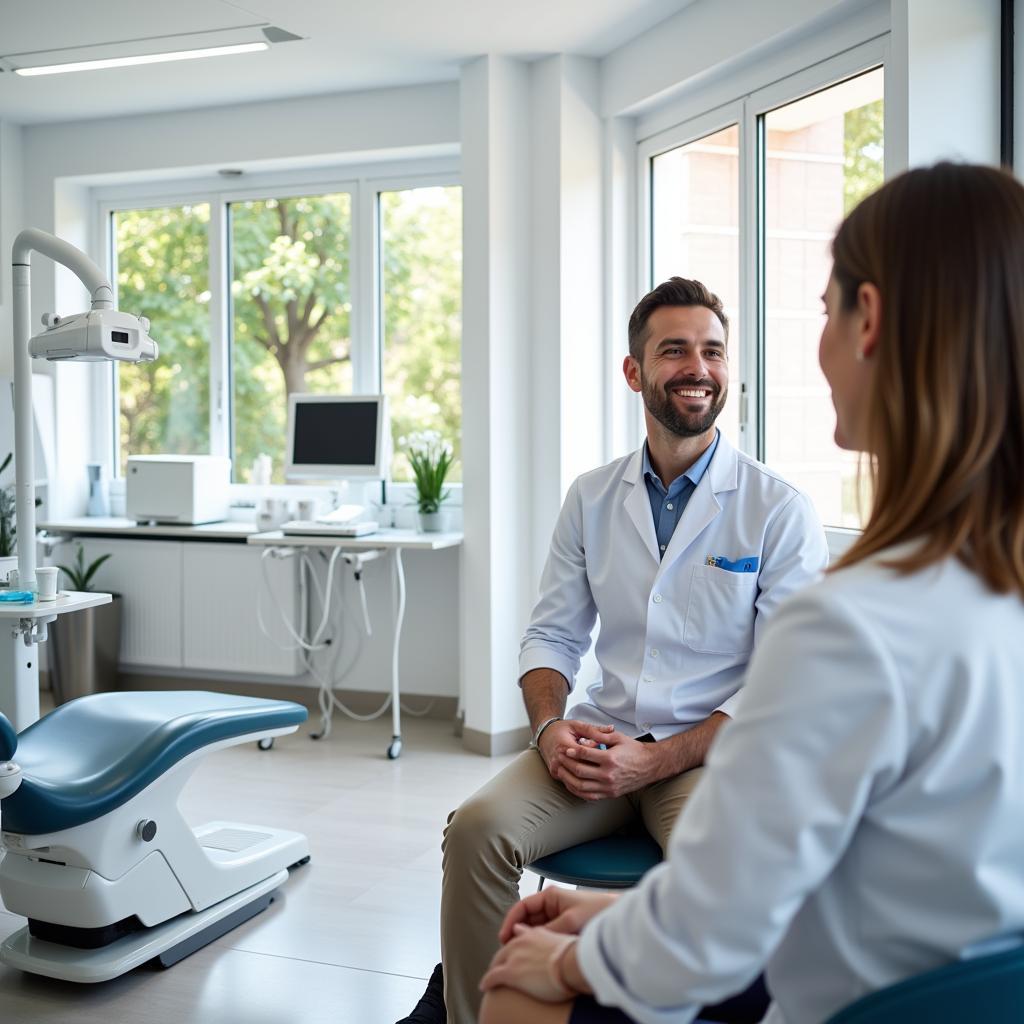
(496, 395)
(623, 288)
(571, 364)
(534, 392)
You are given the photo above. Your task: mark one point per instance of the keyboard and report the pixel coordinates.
(309, 528)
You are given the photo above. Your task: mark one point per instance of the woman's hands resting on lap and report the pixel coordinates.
(558, 910)
(535, 937)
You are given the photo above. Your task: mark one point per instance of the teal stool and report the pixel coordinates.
(613, 862)
(986, 988)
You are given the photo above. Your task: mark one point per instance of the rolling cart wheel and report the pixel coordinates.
(266, 743)
(394, 748)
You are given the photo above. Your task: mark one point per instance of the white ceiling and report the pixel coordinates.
(346, 45)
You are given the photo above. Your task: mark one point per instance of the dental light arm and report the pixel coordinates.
(102, 333)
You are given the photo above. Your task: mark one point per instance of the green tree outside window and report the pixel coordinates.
(291, 315)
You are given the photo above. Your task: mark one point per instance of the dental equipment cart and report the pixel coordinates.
(95, 852)
(383, 541)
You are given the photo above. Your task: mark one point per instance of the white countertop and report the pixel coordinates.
(383, 538)
(66, 601)
(229, 529)
(236, 530)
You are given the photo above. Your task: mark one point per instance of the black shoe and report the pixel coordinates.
(430, 1009)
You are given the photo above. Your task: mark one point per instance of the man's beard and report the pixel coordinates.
(661, 405)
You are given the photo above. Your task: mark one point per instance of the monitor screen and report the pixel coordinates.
(332, 436)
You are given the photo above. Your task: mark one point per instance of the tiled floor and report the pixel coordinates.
(352, 936)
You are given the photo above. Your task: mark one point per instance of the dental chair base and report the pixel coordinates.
(126, 880)
(166, 943)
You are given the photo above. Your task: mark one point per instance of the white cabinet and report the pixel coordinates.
(192, 605)
(221, 632)
(147, 573)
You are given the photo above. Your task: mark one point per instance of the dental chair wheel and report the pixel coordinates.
(394, 748)
(266, 743)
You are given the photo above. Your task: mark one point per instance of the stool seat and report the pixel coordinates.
(612, 862)
(987, 988)
(93, 754)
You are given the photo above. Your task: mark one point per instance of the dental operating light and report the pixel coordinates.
(101, 333)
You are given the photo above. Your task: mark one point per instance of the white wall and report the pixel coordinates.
(550, 232)
(66, 159)
(942, 89)
(706, 40)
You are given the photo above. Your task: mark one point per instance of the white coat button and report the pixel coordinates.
(648, 679)
(654, 652)
(668, 505)
(657, 598)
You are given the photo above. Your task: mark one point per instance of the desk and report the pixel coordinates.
(385, 541)
(112, 526)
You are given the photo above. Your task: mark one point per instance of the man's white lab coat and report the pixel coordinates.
(676, 632)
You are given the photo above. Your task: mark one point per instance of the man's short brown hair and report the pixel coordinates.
(676, 291)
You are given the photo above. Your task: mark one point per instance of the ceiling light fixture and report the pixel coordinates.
(147, 58)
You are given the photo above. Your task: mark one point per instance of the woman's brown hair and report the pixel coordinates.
(945, 247)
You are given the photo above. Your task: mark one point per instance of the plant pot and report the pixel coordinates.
(84, 649)
(434, 522)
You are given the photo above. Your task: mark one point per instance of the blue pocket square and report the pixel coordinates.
(748, 564)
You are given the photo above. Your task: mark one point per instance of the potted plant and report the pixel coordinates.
(430, 457)
(84, 645)
(8, 526)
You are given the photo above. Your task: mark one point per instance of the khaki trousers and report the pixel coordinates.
(520, 815)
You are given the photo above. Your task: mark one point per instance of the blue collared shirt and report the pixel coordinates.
(667, 505)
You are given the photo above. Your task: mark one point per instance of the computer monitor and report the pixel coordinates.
(335, 437)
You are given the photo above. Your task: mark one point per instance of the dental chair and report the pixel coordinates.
(94, 851)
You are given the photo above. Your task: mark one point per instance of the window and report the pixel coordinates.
(291, 309)
(354, 288)
(162, 272)
(746, 197)
(421, 314)
(822, 155)
(695, 233)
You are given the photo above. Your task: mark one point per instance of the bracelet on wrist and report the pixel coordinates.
(540, 729)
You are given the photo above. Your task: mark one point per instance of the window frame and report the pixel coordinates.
(363, 182)
(693, 130)
(696, 121)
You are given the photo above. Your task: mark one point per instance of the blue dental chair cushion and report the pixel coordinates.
(8, 740)
(93, 754)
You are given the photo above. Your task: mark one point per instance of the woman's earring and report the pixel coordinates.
(860, 357)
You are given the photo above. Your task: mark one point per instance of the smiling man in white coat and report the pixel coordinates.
(683, 550)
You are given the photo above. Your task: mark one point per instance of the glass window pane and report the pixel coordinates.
(824, 154)
(695, 233)
(421, 316)
(291, 315)
(163, 274)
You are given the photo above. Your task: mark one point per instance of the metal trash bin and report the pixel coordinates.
(84, 648)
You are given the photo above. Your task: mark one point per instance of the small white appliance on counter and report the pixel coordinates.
(187, 489)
